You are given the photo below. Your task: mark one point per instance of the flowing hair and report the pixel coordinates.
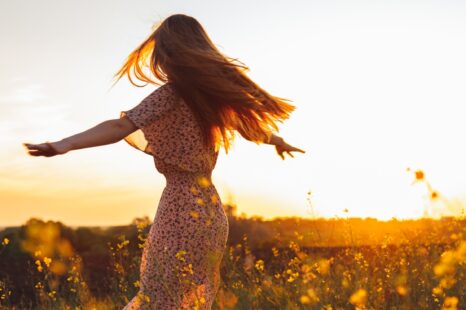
(222, 97)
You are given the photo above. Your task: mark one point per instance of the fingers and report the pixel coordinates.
(289, 153)
(290, 149)
(280, 153)
(31, 146)
(42, 146)
(43, 149)
(38, 153)
(295, 149)
(283, 156)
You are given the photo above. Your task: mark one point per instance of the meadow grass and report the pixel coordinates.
(424, 271)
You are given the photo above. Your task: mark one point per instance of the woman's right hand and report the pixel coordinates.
(47, 149)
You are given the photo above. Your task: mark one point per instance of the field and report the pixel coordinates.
(282, 264)
(285, 263)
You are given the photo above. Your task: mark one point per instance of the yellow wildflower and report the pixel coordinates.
(194, 214)
(402, 290)
(203, 181)
(437, 291)
(313, 295)
(52, 295)
(323, 266)
(304, 299)
(260, 265)
(187, 269)
(359, 298)
(39, 266)
(305, 268)
(450, 303)
(180, 255)
(47, 261)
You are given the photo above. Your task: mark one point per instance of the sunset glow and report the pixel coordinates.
(378, 89)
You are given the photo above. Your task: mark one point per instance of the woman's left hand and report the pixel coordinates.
(47, 149)
(284, 147)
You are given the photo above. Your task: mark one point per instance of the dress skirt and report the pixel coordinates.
(180, 265)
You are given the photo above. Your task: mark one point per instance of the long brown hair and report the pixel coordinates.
(220, 94)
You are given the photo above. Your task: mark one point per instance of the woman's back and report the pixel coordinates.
(170, 132)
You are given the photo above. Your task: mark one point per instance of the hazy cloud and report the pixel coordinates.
(24, 93)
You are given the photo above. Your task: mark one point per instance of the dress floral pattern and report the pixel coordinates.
(180, 265)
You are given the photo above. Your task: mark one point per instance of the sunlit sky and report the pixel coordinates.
(378, 86)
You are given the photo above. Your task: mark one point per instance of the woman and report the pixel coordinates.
(204, 98)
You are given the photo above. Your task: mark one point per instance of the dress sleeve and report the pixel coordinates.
(146, 113)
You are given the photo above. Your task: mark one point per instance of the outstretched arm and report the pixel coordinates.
(107, 132)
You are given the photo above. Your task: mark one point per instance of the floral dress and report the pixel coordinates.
(180, 265)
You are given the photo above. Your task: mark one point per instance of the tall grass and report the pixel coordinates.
(429, 273)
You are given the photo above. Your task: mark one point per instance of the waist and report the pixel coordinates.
(201, 178)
